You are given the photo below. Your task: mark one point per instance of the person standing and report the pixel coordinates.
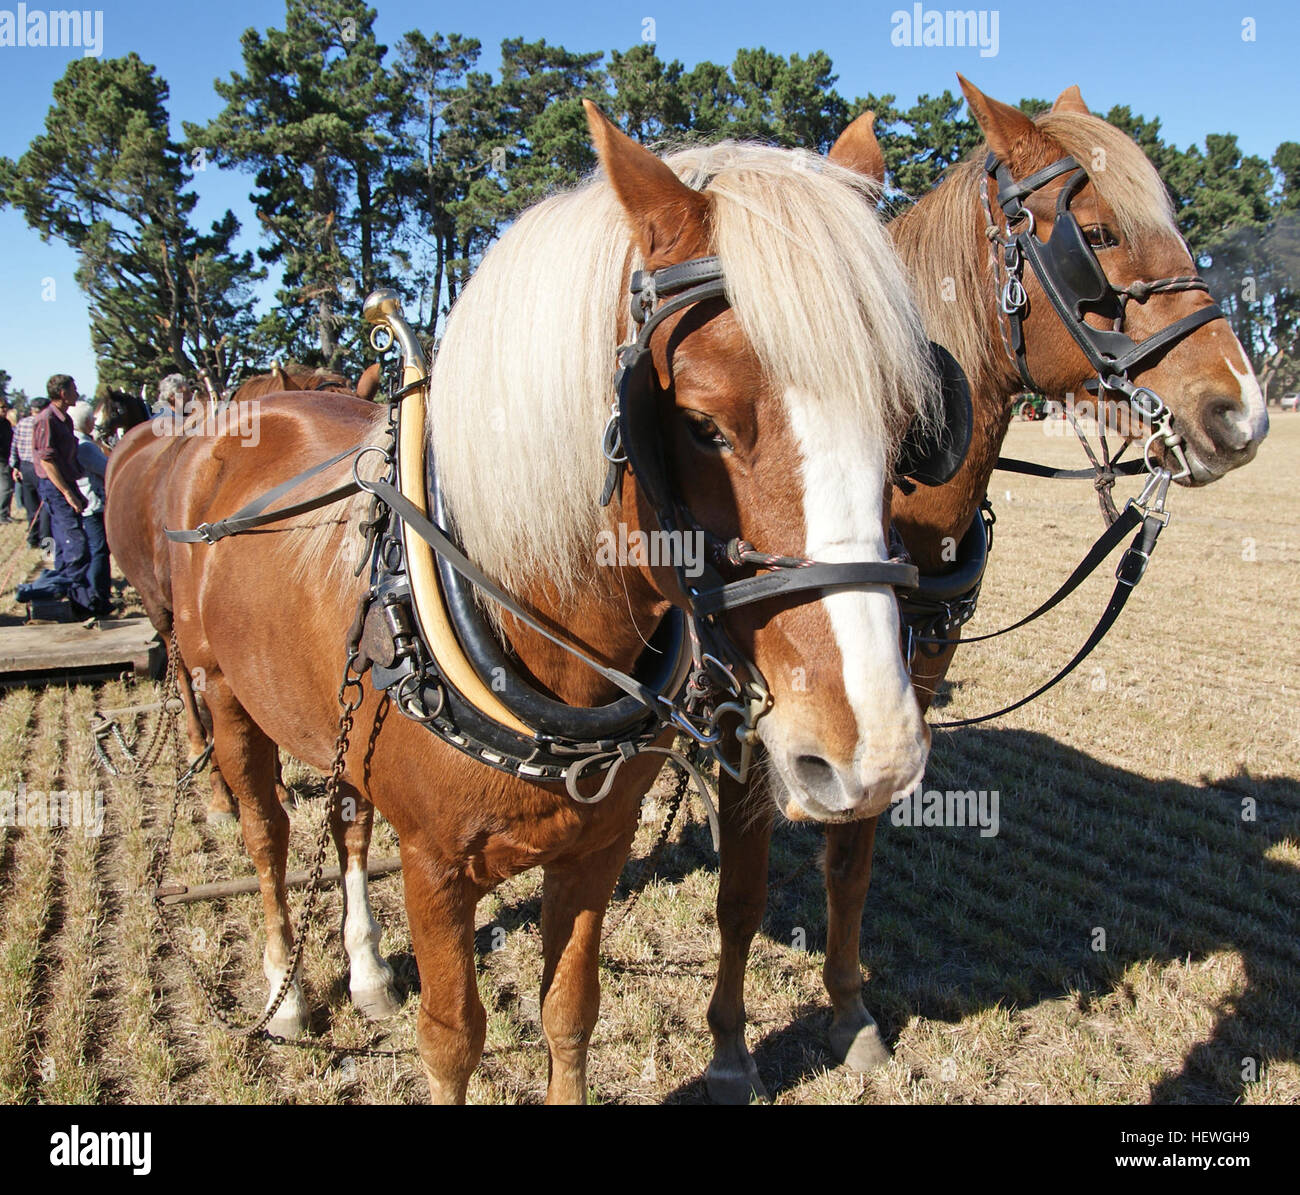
(23, 470)
(54, 453)
(6, 474)
(93, 464)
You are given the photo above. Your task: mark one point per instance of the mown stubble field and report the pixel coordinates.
(1121, 798)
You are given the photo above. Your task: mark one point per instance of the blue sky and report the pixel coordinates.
(1186, 63)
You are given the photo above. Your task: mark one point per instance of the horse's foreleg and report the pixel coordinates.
(371, 978)
(247, 757)
(574, 898)
(854, 1036)
(732, 1077)
(440, 904)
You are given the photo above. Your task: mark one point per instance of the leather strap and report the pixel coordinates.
(1130, 571)
(447, 549)
(251, 515)
(1033, 469)
(785, 581)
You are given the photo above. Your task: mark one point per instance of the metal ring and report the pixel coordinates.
(356, 461)
(1023, 214)
(381, 338)
(1149, 413)
(611, 443)
(1014, 296)
(736, 688)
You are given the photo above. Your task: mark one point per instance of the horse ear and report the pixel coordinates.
(368, 384)
(857, 149)
(281, 380)
(668, 219)
(1071, 100)
(1010, 133)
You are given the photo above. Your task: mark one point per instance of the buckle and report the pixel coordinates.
(1132, 566)
(204, 532)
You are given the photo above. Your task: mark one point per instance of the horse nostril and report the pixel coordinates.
(814, 773)
(1225, 425)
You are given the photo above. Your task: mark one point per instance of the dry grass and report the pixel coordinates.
(1121, 799)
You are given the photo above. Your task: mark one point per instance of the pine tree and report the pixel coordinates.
(105, 178)
(316, 117)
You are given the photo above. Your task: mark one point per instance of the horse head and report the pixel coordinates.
(1100, 291)
(778, 410)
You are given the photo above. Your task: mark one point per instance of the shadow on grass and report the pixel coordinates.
(957, 923)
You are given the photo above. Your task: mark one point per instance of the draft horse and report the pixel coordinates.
(771, 367)
(1118, 255)
(140, 478)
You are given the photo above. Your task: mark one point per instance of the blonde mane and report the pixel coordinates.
(942, 238)
(522, 384)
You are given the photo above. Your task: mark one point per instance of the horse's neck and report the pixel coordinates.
(932, 520)
(607, 621)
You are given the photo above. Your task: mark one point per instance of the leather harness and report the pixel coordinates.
(1075, 284)
(468, 689)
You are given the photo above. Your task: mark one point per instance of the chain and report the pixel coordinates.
(647, 869)
(350, 697)
(171, 706)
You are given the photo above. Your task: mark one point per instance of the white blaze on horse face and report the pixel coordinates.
(1252, 419)
(843, 482)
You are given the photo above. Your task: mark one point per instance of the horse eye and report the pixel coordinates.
(1100, 237)
(705, 432)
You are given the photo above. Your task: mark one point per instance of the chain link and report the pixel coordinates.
(348, 704)
(647, 869)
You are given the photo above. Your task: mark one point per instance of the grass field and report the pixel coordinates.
(1150, 803)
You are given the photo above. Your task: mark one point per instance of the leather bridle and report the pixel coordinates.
(722, 680)
(1074, 282)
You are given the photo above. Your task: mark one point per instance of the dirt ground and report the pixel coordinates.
(1127, 936)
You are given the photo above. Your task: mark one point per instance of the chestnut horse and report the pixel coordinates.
(1205, 379)
(140, 547)
(779, 411)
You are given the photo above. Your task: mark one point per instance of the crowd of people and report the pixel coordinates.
(58, 471)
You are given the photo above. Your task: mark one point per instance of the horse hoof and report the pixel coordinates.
(377, 1004)
(862, 1049)
(290, 1027)
(732, 1087)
